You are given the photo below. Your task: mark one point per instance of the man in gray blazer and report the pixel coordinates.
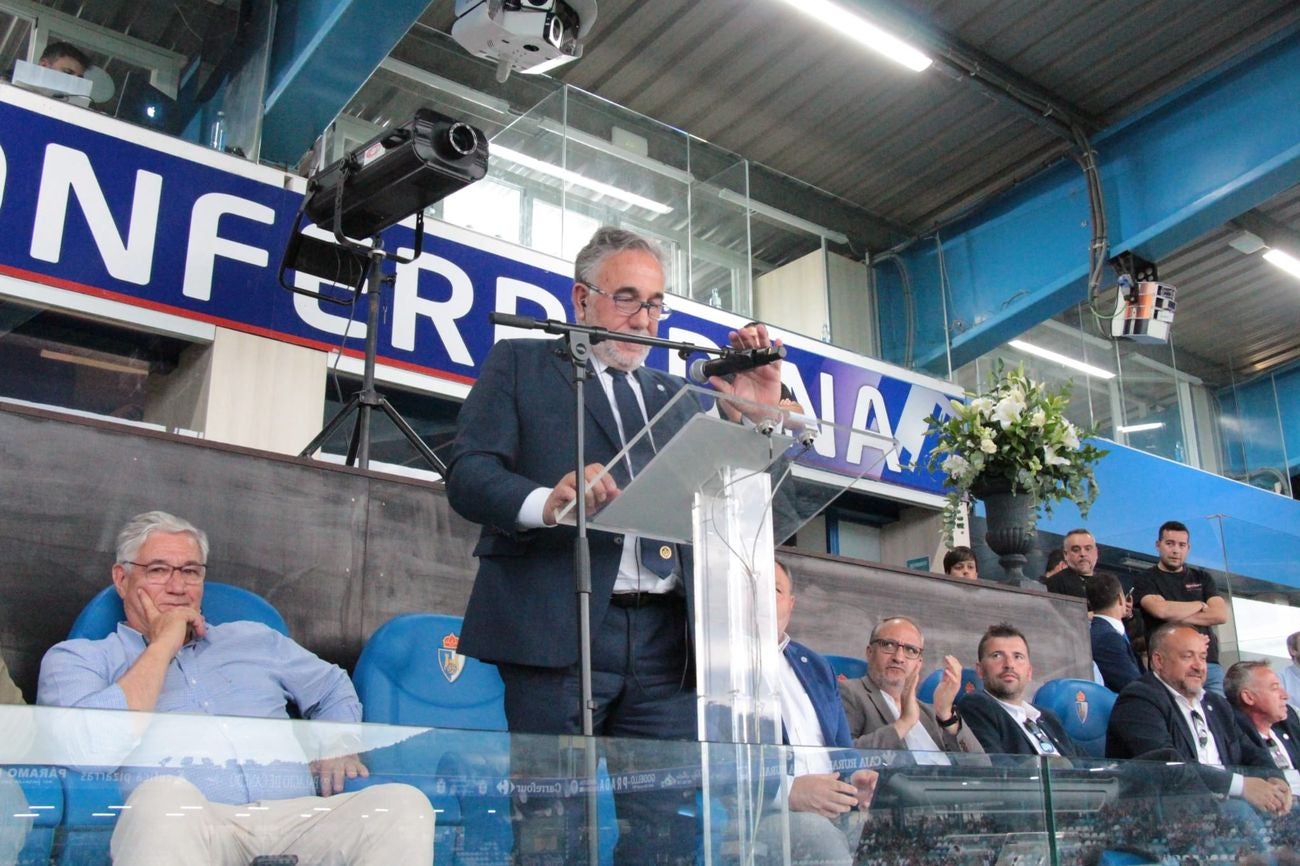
(882, 706)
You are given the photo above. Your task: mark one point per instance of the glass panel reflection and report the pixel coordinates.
(76, 775)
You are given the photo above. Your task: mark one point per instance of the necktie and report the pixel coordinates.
(1279, 754)
(629, 413)
(1201, 730)
(659, 557)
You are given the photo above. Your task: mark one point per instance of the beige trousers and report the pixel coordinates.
(168, 822)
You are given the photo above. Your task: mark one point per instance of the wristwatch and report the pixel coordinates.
(944, 723)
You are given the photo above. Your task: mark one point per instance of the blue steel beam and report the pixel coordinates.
(322, 52)
(1219, 147)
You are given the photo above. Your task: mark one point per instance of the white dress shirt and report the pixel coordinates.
(1026, 712)
(1208, 753)
(802, 727)
(918, 739)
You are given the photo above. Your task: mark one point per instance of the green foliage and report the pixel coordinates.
(1014, 436)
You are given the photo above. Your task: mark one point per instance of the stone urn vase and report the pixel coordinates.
(1011, 517)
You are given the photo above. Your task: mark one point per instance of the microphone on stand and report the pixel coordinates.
(701, 369)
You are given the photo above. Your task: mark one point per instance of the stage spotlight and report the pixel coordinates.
(389, 178)
(396, 174)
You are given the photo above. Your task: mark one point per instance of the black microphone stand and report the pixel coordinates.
(579, 339)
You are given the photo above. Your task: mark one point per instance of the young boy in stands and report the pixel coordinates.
(960, 563)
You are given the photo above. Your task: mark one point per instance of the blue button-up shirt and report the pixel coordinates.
(236, 669)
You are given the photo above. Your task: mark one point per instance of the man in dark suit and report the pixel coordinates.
(1256, 693)
(883, 709)
(1168, 715)
(511, 470)
(1080, 550)
(824, 826)
(1111, 651)
(1000, 717)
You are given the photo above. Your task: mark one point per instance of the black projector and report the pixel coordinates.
(396, 174)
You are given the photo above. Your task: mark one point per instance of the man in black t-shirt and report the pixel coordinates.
(1080, 550)
(1172, 592)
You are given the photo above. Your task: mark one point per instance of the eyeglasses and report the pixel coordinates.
(630, 306)
(1049, 747)
(889, 647)
(1202, 732)
(158, 573)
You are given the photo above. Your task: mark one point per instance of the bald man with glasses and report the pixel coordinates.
(882, 707)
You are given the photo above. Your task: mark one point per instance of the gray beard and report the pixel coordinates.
(620, 359)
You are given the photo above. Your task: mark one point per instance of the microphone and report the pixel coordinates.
(736, 362)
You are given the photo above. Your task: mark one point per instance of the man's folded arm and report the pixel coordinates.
(70, 679)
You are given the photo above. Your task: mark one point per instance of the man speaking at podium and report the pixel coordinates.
(512, 470)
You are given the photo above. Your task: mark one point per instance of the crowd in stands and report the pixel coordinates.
(1220, 745)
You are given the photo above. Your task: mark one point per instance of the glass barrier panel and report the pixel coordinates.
(1158, 812)
(720, 245)
(77, 781)
(80, 780)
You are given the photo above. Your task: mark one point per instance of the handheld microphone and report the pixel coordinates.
(701, 369)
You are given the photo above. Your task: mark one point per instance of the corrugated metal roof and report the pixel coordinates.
(897, 151)
(1237, 309)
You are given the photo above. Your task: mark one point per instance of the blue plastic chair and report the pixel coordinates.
(1084, 709)
(409, 673)
(88, 822)
(970, 682)
(43, 791)
(222, 602)
(847, 667)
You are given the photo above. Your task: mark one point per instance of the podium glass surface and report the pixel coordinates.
(734, 479)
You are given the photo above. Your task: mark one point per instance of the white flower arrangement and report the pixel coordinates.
(1013, 438)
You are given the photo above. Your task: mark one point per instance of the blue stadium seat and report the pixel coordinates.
(222, 602)
(44, 795)
(409, 673)
(87, 820)
(970, 682)
(1084, 709)
(847, 667)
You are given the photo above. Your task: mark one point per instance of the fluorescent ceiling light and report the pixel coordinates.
(1063, 360)
(1139, 428)
(1285, 261)
(781, 216)
(547, 65)
(861, 30)
(578, 180)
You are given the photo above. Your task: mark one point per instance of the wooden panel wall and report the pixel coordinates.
(339, 552)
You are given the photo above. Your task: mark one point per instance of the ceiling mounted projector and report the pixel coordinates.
(532, 36)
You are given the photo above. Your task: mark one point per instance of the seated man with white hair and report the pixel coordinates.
(242, 788)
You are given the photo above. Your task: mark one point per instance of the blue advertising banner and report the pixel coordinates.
(94, 206)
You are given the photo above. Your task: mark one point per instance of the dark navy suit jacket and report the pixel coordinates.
(516, 433)
(1147, 722)
(999, 734)
(1114, 656)
(1286, 731)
